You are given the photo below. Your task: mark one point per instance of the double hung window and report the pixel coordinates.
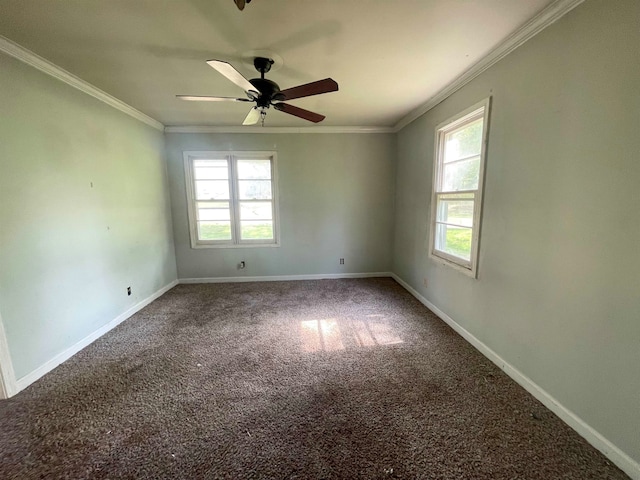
(457, 188)
(231, 198)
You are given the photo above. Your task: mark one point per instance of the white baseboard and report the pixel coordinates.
(8, 386)
(28, 379)
(613, 453)
(280, 278)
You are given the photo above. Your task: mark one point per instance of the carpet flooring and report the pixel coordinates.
(328, 379)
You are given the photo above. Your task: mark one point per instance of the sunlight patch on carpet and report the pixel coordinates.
(331, 334)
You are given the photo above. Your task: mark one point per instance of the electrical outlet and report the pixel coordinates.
(424, 282)
(128, 290)
(342, 261)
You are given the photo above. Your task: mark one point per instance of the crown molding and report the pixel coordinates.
(233, 129)
(542, 20)
(27, 56)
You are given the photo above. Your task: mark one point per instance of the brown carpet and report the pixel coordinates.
(350, 379)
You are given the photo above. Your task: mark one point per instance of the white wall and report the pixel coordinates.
(558, 292)
(336, 201)
(84, 213)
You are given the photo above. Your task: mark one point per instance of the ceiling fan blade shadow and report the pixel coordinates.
(205, 98)
(225, 22)
(319, 31)
(252, 117)
(290, 74)
(299, 112)
(188, 53)
(309, 89)
(227, 70)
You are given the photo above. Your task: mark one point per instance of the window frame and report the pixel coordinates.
(234, 201)
(453, 123)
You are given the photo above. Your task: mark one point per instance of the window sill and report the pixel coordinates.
(468, 271)
(244, 245)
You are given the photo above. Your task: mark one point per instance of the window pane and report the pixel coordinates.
(255, 211)
(455, 210)
(214, 230)
(461, 175)
(254, 189)
(256, 230)
(258, 169)
(211, 173)
(454, 240)
(210, 163)
(208, 213)
(212, 189)
(463, 142)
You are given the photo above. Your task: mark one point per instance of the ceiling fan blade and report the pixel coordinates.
(201, 98)
(240, 4)
(309, 89)
(234, 75)
(252, 117)
(299, 112)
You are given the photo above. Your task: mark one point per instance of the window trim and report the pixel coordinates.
(469, 268)
(231, 156)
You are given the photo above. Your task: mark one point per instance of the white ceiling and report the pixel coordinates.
(388, 56)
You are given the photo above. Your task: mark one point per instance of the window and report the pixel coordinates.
(457, 188)
(232, 199)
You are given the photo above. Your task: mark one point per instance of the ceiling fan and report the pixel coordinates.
(266, 93)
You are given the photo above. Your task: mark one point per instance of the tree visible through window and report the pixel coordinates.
(457, 189)
(231, 198)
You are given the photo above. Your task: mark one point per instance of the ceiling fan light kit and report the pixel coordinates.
(266, 93)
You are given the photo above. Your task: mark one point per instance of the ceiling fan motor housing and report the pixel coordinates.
(269, 90)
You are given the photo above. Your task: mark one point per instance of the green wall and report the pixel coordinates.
(558, 290)
(84, 213)
(336, 201)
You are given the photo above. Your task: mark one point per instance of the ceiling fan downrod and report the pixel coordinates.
(263, 65)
